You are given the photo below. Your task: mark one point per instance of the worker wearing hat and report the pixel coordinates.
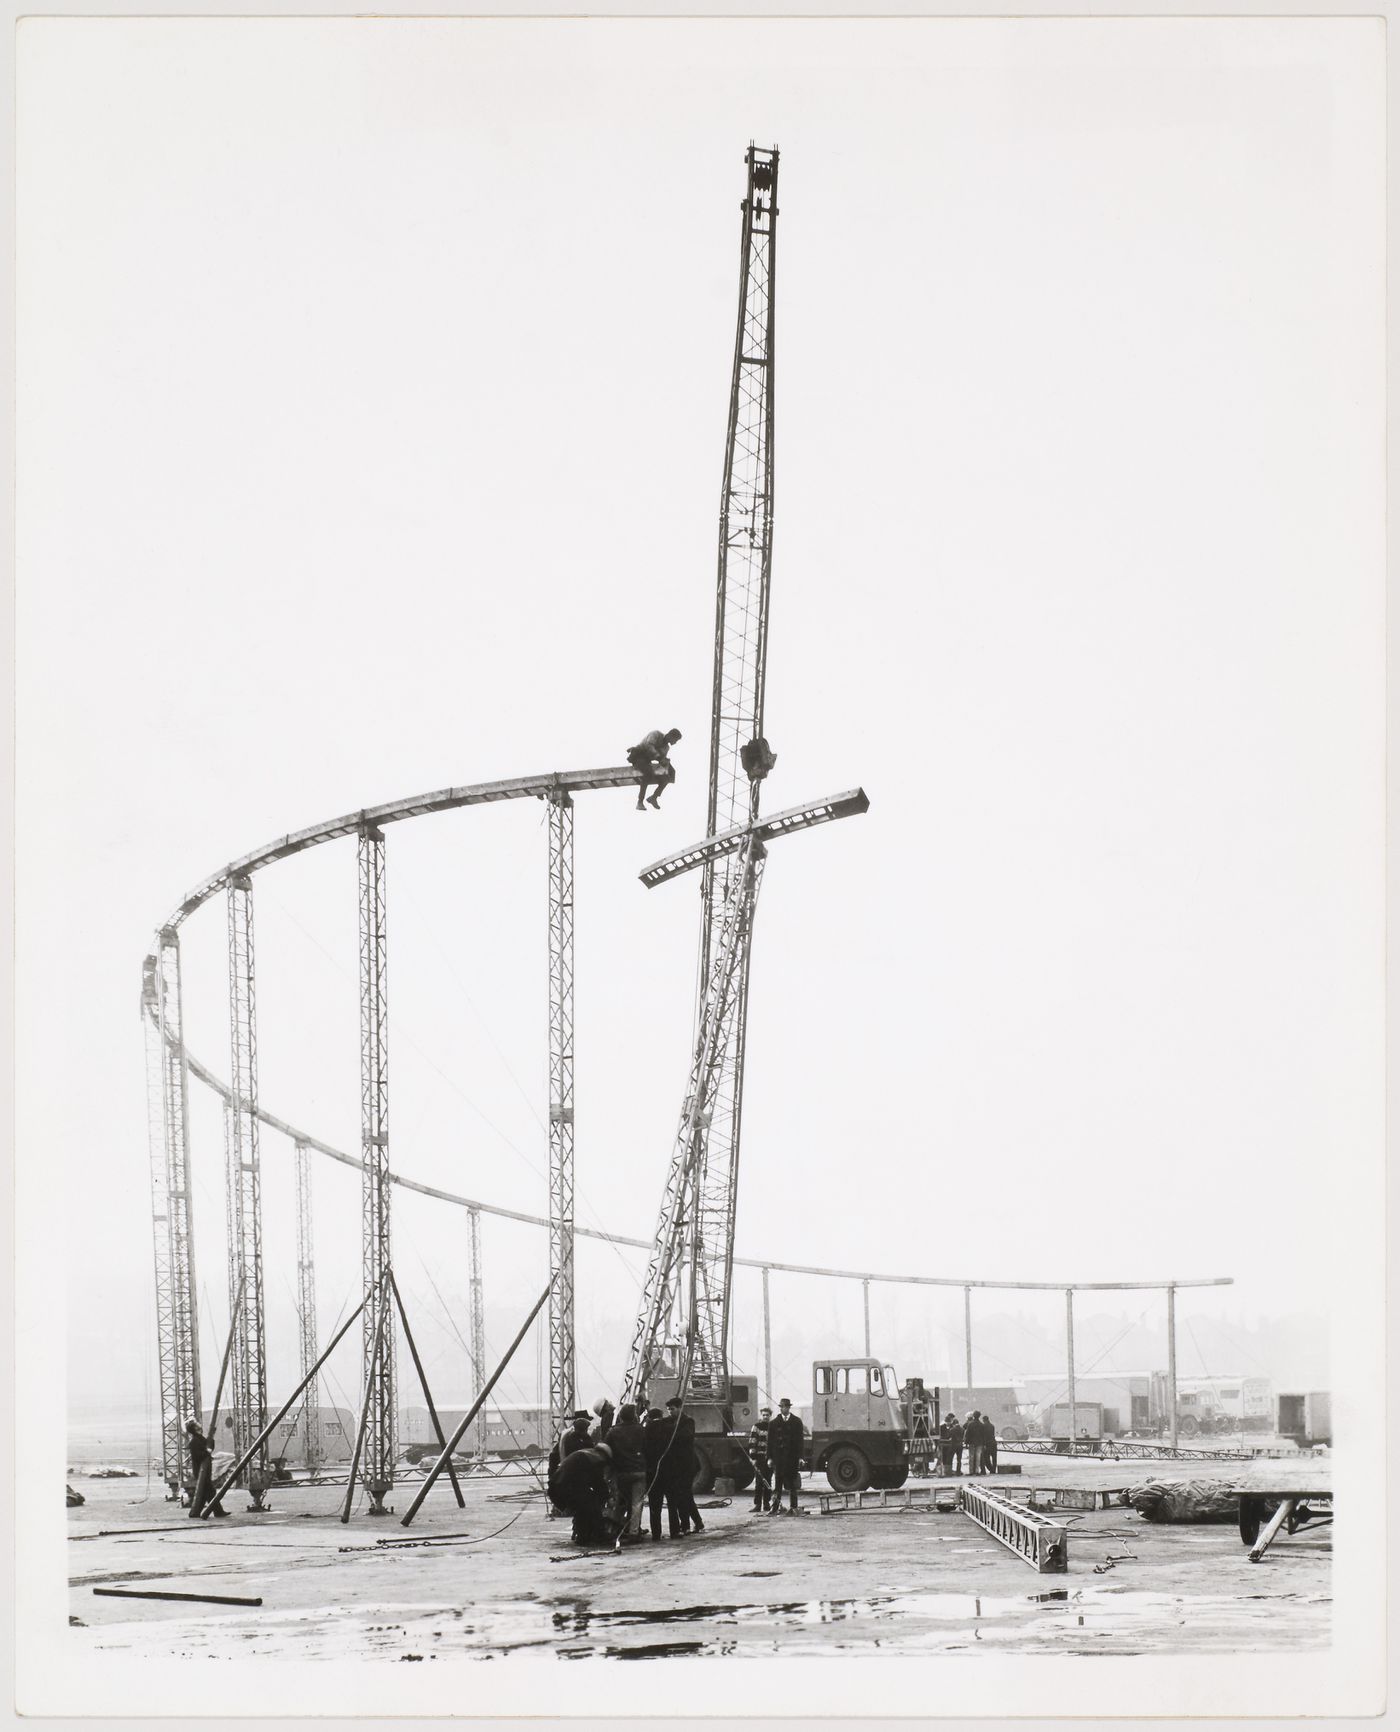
(785, 1436)
(202, 1466)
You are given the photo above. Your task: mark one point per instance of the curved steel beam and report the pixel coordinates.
(443, 800)
(295, 1135)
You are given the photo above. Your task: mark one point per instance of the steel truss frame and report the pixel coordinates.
(172, 1206)
(562, 1359)
(306, 1307)
(377, 1461)
(693, 1228)
(248, 1358)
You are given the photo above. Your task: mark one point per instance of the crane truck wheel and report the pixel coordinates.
(1189, 1425)
(704, 1472)
(847, 1469)
(741, 1470)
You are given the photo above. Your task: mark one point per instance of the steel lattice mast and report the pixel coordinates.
(478, 1326)
(248, 1355)
(172, 1204)
(691, 1297)
(306, 1307)
(377, 1462)
(562, 1368)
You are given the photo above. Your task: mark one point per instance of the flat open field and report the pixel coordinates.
(900, 1582)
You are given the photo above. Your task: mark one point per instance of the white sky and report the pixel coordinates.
(372, 395)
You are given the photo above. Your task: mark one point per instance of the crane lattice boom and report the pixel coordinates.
(688, 1281)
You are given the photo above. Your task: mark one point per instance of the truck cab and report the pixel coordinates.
(858, 1432)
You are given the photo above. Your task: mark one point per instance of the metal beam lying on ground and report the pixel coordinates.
(848, 805)
(1043, 1544)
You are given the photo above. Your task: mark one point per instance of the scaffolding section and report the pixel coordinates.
(248, 1355)
(306, 1308)
(377, 1461)
(562, 1367)
(172, 1206)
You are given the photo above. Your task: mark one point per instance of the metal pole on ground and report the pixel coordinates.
(1069, 1353)
(282, 1412)
(471, 1412)
(1171, 1361)
(865, 1296)
(423, 1380)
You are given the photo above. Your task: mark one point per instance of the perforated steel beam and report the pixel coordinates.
(306, 1307)
(703, 854)
(562, 1367)
(248, 1359)
(377, 1459)
(172, 1206)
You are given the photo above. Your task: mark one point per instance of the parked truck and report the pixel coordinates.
(860, 1433)
(1307, 1419)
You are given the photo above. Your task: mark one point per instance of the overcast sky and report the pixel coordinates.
(373, 385)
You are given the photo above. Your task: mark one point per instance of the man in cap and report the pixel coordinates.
(758, 1455)
(785, 1436)
(652, 756)
(202, 1466)
(684, 1466)
(581, 1491)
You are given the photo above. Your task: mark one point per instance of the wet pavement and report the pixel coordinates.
(499, 1580)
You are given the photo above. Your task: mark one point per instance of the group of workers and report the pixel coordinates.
(604, 1471)
(977, 1435)
(611, 1465)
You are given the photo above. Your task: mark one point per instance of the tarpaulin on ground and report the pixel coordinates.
(1189, 1500)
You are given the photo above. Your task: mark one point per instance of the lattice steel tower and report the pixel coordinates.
(172, 1205)
(687, 1291)
(306, 1307)
(562, 1367)
(248, 1354)
(377, 1464)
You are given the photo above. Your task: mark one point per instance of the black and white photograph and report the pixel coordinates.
(700, 905)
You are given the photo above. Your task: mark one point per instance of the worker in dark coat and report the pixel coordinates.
(955, 1443)
(576, 1437)
(945, 1445)
(658, 1434)
(989, 1445)
(202, 1468)
(628, 1445)
(685, 1464)
(652, 756)
(972, 1437)
(581, 1490)
(785, 1436)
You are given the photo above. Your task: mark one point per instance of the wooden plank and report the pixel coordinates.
(156, 1594)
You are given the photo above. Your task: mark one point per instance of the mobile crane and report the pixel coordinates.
(680, 1345)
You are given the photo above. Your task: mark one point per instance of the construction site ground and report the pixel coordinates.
(499, 1578)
